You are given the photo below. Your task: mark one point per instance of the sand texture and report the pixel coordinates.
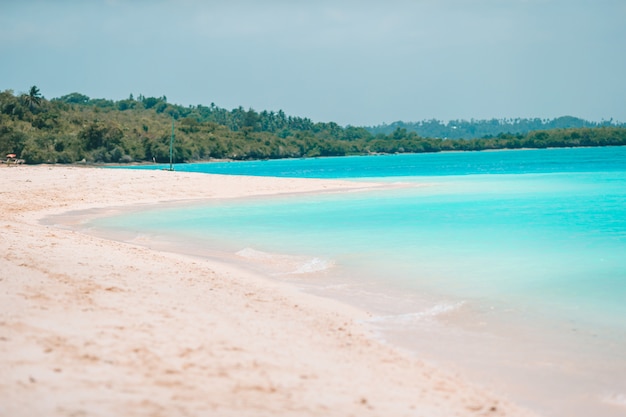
(92, 327)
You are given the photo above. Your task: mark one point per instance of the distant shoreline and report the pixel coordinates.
(219, 160)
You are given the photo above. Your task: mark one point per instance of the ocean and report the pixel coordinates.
(508, 266)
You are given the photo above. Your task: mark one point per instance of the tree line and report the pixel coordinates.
(472, 129)
(75, 128)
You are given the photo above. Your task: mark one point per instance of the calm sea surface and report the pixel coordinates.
(509, 264)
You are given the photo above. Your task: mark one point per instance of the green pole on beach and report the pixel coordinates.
(172, 147)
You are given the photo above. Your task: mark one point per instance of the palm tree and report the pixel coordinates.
(33, 98)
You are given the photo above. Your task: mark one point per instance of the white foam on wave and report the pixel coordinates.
(313, 265)
(287, 264)
(250, 253)
(427, 314)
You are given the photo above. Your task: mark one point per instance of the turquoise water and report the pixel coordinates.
(522, 242)
(547, 224)
(433, 164)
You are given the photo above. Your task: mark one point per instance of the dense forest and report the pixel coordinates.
(76, 128)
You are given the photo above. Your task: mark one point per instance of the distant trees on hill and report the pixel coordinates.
(463, 129)
(75, 128)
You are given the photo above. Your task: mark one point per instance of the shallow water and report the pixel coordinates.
(510, 265)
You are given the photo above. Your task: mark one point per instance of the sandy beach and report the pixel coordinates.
(93, 327)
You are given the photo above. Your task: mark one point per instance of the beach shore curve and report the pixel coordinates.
(95, 327)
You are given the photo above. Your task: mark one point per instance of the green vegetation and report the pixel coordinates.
(463, 129)
(76, 128)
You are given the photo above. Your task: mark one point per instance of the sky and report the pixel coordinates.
(359, 63)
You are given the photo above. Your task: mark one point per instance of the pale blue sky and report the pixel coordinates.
(353, 62)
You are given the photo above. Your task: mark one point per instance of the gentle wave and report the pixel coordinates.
(287, 264)
(314, 265)
(250, 253)
(427, 314)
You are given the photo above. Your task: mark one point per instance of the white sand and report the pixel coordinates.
(91, 327)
